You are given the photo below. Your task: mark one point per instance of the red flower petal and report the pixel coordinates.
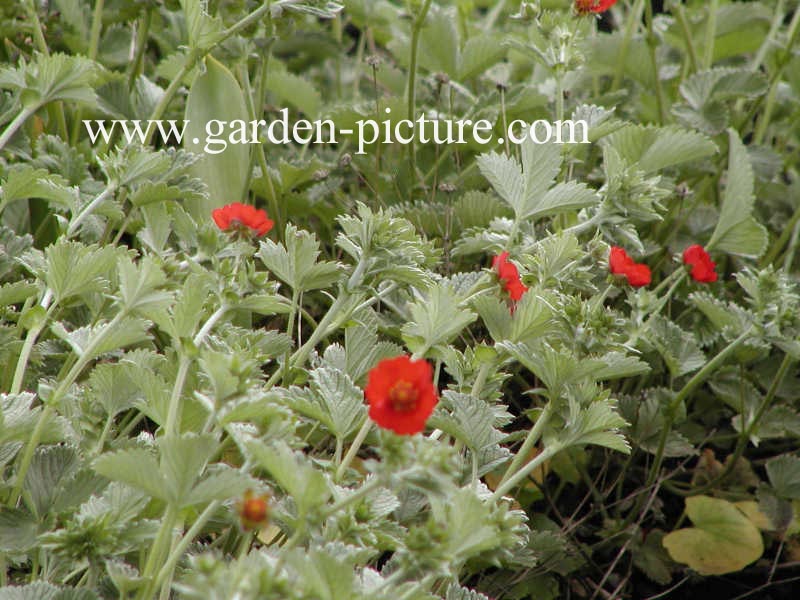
(620, 263)
(593, 6)
(238, 215)
(509, 275)
(701, 263)
(401, 394)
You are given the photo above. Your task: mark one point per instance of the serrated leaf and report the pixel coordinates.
(136, 467)
(45, 591)
(655, 148)
(183, 458)
(677, 347)
(736, 230)
(784, 475)
(295, 261)
(139, 285)
(456, 592)
(220, 483)
(436, 318)
(723, 540)
(51, 465)
(468, 419)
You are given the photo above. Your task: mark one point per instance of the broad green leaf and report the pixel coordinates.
(103, 337)
(220, 482)
(736, 231)
(25, 182)
(456, 592)
(50, 466)
(136, 467)
(45, 591)
(677, 347)
(294, 90)
(480, 52)
(295, 261)
(784, 475)
(468, 419)
(139, 285)
(436, 318)
(215, 96)
(18, 530)
(655, 148)
(723, 540)
(183, 458)
(598, 424)
(203, 30)
(73, 269)
(53, 77)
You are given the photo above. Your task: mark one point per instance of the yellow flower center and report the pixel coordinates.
(403, 396)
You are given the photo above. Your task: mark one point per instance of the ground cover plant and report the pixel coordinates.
(409, 370)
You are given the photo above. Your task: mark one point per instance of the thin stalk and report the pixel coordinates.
(416, 30)
(89, 209)
(142, 34)
(711, 34)
(12, 127)
(744, 435)
(777, 21)
(523, 473)
(94, 43)
(699, 378)
(69, 379)
(680, 16)
(180, 548)
(530, 441)
(157, 551)
(652, 44)
(634, 18)
(30, 341)
(354, 448)
(350, 498)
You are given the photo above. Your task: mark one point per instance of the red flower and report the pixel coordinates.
(401, 394)
(620, 263)
(509, 275)
(253, 510)
(701, 263)
(238, 216)
(593, 6)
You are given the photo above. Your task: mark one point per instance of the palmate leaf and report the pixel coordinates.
(139, 285)
(736, 231)
(295, 263)
(127, 332)
(436, 318)
(25, 181)
(50, 467)
(677, 347)
(45, 591)
(598, 424)
(136, 467)
(468, 419)
(456, 592)
(655, 148)
(49, 78)
(784, 475)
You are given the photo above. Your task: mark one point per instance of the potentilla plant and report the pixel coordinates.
(461, 371)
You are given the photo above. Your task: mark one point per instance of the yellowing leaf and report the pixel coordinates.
(759, 519)
(723, 540)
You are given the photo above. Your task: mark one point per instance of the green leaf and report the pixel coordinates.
(677, 347)
(294, 473)
(215, 95)
(18, 531)
(468, 419)
(24, 181)
(295, 263)
(53, 77)
(126, 332)
(294, 90)
(597, 424)
(784, 475)
(50, 466)
(45, 591)
(723, 540)
(204, 31)
(139, 285)
(436, 318)
(736, 231)
(220, 483)
(456, 592)
(135, 467)
(73, 269)
(655, 148)
(183, 459)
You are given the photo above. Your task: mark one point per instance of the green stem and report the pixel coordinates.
(69, 379)
(530, 441)
(142, 34)
(680, 16)
(699, 378)
(354, 448)
(89, 209)
(30, 341)
(523, 473)
(744, 435)
(779, 244)
(97, 25)
(12, 127)
(416, 30)
(365, 489)
(180, 548)
(634, 18)
(157, 551)
(711, 34)
(652, 44)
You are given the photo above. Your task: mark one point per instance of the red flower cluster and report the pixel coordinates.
(593, 6)
(401, 394)
(253, 510)
(509, 275)
(239, 216)
(702, 266)
(620, 263)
